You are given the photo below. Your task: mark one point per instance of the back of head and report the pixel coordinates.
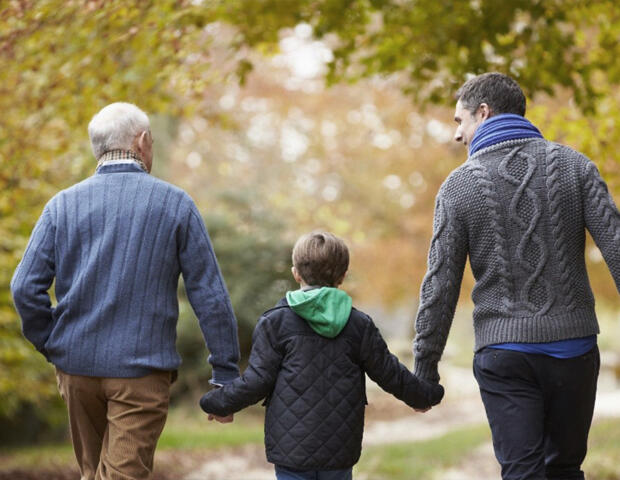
(115, 127)
(321, 259)
(500, 92)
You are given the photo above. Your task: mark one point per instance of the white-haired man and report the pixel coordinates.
(116, 244)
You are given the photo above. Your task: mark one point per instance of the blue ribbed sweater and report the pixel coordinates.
(116, 244)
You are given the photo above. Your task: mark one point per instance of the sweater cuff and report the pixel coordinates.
(426, 370)
(222, 376)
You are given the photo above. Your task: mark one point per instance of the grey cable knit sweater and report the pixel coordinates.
(519, 209)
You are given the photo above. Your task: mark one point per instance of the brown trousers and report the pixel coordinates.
(115, 422)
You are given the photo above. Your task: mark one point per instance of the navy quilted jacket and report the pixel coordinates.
(315, 388)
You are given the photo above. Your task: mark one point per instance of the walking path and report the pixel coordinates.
(390, 421)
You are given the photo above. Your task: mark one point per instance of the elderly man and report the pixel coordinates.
(519, 207)
(116, 243)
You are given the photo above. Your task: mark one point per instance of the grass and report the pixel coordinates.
(603, 460)
(190, 429)
(186, 432)
(186, 429)
(40, 457)
(421, 459)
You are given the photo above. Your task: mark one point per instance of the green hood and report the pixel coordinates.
(326, 309)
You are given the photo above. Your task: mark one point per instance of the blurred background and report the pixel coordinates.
(279, 117)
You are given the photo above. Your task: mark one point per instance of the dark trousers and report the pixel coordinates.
(539, 409)
(283, 473)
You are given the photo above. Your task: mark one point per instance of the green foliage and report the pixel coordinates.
(190, 429)
(434, 45)
(63, 60)
(420, 459)
(603, 460)
(556, 47)
(255, 262)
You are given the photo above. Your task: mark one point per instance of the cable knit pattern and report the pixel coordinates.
(435, 260)
(597, 192)
(445, 271)
(555, 217)
(520, 210)
(529, 224)
(497, 228)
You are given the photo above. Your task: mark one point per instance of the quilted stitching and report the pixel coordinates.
(315, 388)
(316, 412)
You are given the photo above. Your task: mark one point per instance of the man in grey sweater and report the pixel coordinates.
(519, 207)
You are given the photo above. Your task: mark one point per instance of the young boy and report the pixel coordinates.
(309, 358)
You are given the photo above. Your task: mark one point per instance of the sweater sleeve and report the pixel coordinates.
(392, 376)
(256, 383)
(31, 281)
(209, 298)
(440, 289)
(602, 219)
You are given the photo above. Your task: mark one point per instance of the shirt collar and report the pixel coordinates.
(120, 157)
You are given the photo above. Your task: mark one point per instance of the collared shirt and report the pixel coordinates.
(115, 157)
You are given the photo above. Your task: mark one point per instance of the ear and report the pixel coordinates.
(296, 275)
(339, 282)
(142, 139)
(485, 111)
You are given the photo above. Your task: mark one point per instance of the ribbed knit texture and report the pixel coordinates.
(519, 209)
(116, 244)
(501, 128)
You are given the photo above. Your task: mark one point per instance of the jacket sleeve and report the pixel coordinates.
(209, 298)
(31, 281)
(257, 381)
(440, 289)
(602, 219)
(392, 376)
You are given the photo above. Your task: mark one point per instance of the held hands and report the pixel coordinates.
(217, 418)
(206, 407)
(435, 394)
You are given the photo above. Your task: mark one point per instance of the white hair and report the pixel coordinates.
(115, 127)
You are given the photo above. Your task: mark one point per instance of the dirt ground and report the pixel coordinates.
(387, 421)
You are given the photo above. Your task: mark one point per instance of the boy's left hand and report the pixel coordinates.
(226, 419)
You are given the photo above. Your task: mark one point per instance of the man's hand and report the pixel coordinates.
(226, 419)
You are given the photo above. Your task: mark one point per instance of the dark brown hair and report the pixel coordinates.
(500, 92)
(321, 258)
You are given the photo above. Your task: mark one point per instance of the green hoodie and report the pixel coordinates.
(326, 309)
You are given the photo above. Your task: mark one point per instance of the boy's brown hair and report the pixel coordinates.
(321, 258)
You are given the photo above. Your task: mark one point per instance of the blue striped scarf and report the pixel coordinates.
(500, 128)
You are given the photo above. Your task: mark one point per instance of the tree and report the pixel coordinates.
(254, 256)
(552, 47)
(63, 60)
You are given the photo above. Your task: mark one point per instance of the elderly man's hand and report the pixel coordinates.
(226, 419)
